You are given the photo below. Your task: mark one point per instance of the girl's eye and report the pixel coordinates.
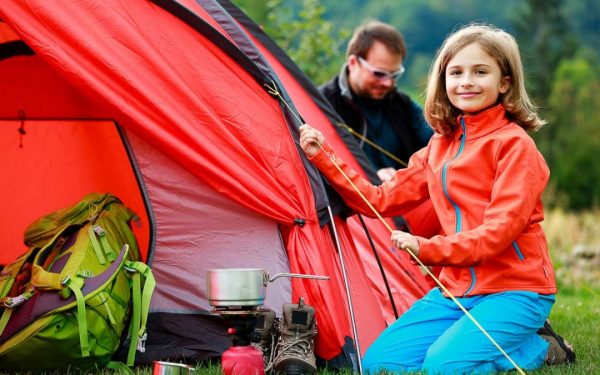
(481, 71)
(454, 72)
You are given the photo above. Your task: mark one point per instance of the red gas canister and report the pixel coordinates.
(242, 360)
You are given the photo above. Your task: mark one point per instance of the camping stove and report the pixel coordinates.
(240, 322)
(241, 357)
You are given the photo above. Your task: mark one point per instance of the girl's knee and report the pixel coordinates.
(371, 364)
(374, 363)
(442, 362)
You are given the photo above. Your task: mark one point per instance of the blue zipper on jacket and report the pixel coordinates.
(454, 205)
(518, 250)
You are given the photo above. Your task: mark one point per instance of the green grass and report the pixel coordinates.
(576, 317)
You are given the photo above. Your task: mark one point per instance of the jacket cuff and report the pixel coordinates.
(323, 153)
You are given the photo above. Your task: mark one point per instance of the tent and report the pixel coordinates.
(170, 106)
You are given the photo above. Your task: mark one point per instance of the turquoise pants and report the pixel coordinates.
(436, 337)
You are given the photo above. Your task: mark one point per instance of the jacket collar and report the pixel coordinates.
(343, 82)
(484, 123)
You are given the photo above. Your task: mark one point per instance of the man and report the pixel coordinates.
(366, 97)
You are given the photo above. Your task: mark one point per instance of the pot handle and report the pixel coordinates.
(297, 275)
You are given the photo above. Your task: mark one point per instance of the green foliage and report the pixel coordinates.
(255, 9)
(311, 41)
(573, 144)
(545, 35)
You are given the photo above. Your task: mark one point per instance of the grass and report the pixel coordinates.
(576, 313)
(575, 316)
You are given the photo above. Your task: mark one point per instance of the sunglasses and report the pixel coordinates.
(381, 74)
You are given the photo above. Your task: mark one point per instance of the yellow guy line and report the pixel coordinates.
(273, 91)
(373, 144)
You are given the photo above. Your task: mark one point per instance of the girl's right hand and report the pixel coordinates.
(310, 140)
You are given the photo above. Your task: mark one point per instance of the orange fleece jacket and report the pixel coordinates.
(485, 182)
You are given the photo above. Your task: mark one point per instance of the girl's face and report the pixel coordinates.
(474, 81)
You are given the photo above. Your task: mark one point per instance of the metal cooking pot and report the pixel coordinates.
(243, 286)
(170, 368)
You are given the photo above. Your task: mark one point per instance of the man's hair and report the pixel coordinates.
(371, 31)
(503, 48)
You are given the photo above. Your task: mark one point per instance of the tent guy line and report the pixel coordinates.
(373, 144)
(273, 91)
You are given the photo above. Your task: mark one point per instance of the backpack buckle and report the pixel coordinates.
(12, 302)
(99, 230)
(141, 344)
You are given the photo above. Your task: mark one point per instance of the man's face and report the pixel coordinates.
(372, 76)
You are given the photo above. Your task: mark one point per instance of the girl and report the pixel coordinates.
(485, 177)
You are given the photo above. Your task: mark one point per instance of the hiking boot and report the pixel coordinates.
(295, 348)
(266, 332)
(559, 350)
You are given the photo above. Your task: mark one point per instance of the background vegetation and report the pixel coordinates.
(559, 42)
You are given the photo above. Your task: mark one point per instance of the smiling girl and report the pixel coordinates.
(485, 177)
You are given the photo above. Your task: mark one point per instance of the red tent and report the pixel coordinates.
(165, 104)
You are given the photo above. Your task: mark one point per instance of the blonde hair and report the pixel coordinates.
(503, 48)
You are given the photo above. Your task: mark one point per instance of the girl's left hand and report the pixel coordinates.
(404, 240)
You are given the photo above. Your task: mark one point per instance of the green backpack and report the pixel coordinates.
(65, 302)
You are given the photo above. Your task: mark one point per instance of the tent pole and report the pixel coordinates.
(347, 286)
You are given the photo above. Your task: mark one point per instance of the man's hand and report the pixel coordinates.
(385, 174)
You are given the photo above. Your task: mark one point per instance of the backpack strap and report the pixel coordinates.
(8, 276)
(141, 305)
(104, 245)
(4, 319)
(75, 284)
(47, 280)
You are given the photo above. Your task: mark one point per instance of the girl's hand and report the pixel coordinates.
(310, 140)
(403, 241)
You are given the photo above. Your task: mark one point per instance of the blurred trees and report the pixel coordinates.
(545, 38)
(563, 78)
(572, 150)
(300, 28)
(310, 40)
